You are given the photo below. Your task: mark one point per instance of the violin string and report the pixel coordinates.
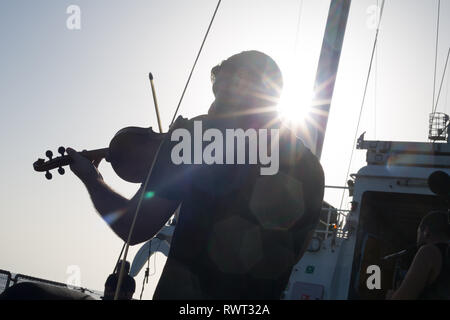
(195, 62)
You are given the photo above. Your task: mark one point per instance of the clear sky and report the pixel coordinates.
(61, 87)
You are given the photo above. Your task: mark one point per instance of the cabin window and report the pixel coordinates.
(388, 224)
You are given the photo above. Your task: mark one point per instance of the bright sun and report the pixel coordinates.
(295, 103)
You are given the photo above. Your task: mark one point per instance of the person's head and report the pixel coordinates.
(119, 266)
(245, 81)
(126, 289)
(128, 284)
(435, 226)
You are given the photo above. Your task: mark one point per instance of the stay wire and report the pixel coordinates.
(446, 94)
(364, 97)
(195, 62)
(297, 33)
(442, 82)
(434, 104)
(436, 53)
(439, 95)
(375, 91)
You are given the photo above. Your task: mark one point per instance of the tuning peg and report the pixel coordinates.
(48, 175)
(61, 170)
(49, 154)
(61, 151)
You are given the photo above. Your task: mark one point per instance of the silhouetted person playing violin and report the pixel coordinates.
(239, 232)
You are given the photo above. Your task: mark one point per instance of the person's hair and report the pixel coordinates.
(128, 283)
(438, 222)
(119, 266)
(265, 70)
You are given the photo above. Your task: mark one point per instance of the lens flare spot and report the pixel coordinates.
(149, 195)
(112, 217)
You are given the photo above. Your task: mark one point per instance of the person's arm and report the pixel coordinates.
(118, 211)
(417, 276)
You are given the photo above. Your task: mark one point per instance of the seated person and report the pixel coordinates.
(126, 289)
(428, 277)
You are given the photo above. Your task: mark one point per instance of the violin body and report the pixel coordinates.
(131, 153)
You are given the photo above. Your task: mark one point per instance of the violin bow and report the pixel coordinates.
(141, 197)
(155, 101)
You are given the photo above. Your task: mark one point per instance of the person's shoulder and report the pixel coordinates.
(188, 124)
(292, 144)
(294, 152)
(428, 252)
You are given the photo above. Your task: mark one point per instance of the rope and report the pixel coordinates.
(364, 98)
(195, 62)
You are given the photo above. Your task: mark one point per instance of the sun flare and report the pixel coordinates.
(295, 103)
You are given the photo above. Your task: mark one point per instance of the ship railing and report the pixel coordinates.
(334, 227)
(336, 230)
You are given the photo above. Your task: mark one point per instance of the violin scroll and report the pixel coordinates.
(130, 153)
(63, 160)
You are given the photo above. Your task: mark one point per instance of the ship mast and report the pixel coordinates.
(327, 69)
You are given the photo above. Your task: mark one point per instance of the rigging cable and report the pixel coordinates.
(434, 104)
(442, 82)
(446, 95)
(195, 62)
(375, 90)
(299, 19)
(436, 53)
(437, 101)
(144, 187)
(364, 97)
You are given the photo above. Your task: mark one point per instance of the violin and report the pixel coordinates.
(130, 152)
